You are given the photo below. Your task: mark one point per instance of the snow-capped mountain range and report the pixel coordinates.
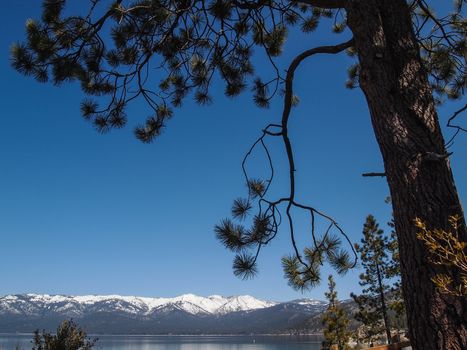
(34, 304)
(187, 314)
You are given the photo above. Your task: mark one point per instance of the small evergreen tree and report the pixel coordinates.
(335, 320)
(373, 303)
(69, 337)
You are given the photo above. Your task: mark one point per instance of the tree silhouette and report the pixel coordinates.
(69, 336)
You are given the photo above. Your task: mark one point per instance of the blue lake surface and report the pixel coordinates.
(108, 342)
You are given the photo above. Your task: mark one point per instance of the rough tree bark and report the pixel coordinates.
(421, 183)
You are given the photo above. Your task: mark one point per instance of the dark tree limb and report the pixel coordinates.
(457, 127)
(373, 174)
(301, 271)
(288, 102)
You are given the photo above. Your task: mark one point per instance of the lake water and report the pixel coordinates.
(15, 341)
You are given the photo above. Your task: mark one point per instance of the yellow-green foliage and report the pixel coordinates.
(446, 249)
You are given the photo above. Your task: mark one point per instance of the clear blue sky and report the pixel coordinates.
(83, 213)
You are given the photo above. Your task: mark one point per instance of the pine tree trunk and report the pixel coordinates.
(384, 309)
(407, 129)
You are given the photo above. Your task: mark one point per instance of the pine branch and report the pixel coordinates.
(288, 102)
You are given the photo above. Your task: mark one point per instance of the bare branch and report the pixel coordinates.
(373, 174)
(454, 116)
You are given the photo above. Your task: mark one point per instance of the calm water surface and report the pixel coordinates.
(14, 341)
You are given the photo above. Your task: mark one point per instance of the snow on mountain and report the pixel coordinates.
(307, 302)
(35, 304)
(184, 314)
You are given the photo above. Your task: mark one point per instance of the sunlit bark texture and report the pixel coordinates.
(418, 171)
